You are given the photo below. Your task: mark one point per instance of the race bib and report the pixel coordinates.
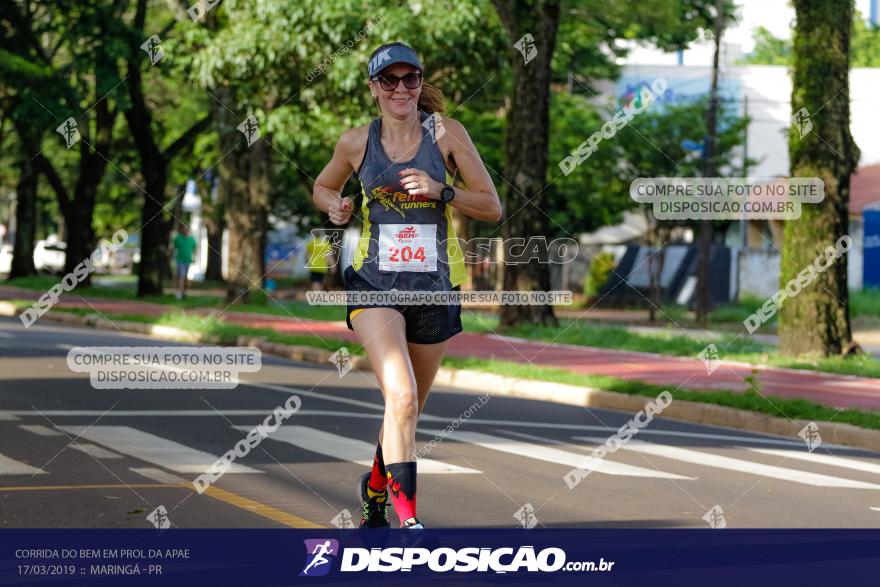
(408, 247)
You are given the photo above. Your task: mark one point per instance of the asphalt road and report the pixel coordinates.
(75, 456)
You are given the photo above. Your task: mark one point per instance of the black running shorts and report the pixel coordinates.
(424, 324)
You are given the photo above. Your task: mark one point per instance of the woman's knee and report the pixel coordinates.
(401, 399)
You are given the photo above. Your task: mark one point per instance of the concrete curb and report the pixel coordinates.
(502, 385)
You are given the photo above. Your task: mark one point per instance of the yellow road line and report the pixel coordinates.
(259, 508)
(234, 499)
(111, 486)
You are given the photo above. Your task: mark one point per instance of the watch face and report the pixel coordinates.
(447, 194)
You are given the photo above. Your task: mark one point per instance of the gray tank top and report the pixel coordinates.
(407, 241)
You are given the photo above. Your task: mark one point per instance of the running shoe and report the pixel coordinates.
(375, 514)
(413, 524)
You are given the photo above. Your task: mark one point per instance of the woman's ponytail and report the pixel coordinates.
(431, 99)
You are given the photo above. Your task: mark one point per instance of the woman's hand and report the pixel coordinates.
(340, 211)
(417, 182)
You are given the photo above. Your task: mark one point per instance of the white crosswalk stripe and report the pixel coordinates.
(157, 475)
(708, 459)
(94, 450)
(347, 449)
(114, 442)
(553, 455)
(821, 458)
(152, 449)
(39, 430)
(12, 467)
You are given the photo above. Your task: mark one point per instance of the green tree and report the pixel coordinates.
(261, 59)
(61, 60)
(769, 50)
(816, 321)
(668, 23)
(864, 46)
(157, 145)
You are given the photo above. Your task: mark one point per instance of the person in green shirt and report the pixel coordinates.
(184, 245)
(318, 252)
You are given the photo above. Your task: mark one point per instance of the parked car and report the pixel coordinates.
(49, 256)
(5, 259)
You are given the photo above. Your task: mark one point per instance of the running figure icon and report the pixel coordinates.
(320, 552)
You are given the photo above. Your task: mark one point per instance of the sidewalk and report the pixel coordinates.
(839, 391)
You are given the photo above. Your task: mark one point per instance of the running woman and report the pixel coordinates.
(406, 160)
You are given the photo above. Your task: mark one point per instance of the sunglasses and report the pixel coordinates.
(389, 83)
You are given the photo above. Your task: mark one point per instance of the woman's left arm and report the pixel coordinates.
(480, 200)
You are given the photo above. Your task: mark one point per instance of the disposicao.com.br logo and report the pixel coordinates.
(321, 552)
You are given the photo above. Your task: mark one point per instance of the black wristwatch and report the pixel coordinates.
(447, 194)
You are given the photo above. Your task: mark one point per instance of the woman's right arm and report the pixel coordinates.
(328, 186)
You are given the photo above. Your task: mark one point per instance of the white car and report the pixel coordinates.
(5, 259)
(49, 256)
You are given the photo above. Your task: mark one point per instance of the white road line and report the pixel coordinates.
(707, 459)
(5, 334)
(344, 448)
(553, 455)
(153, 449)
(316, 395)
(12, 467)
(822, 459)
(377, 414)
(96, 451)
(40, 430)
(13, 414)
(425, 417)
(157, 475)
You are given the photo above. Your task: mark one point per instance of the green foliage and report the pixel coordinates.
(272, 51)
(864, 46)
(590, 31)
(597, 276)
(594, 194)
(769, 50)
(864, 43)
(268, 50)
(865, 302)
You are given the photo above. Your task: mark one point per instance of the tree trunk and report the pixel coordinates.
(154, 167)
(78, 223)
(704, 287)
(214, 264)
(25, 218)
(244, 189)
(658, 235)
(94, 155)
(154, 232)
(528, 124)
(816, 321)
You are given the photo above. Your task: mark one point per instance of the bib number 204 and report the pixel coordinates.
(406, 254)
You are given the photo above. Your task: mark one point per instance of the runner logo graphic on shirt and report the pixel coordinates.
(400, 201)
(386, 198)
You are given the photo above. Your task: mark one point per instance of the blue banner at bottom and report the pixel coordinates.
(270, 558)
